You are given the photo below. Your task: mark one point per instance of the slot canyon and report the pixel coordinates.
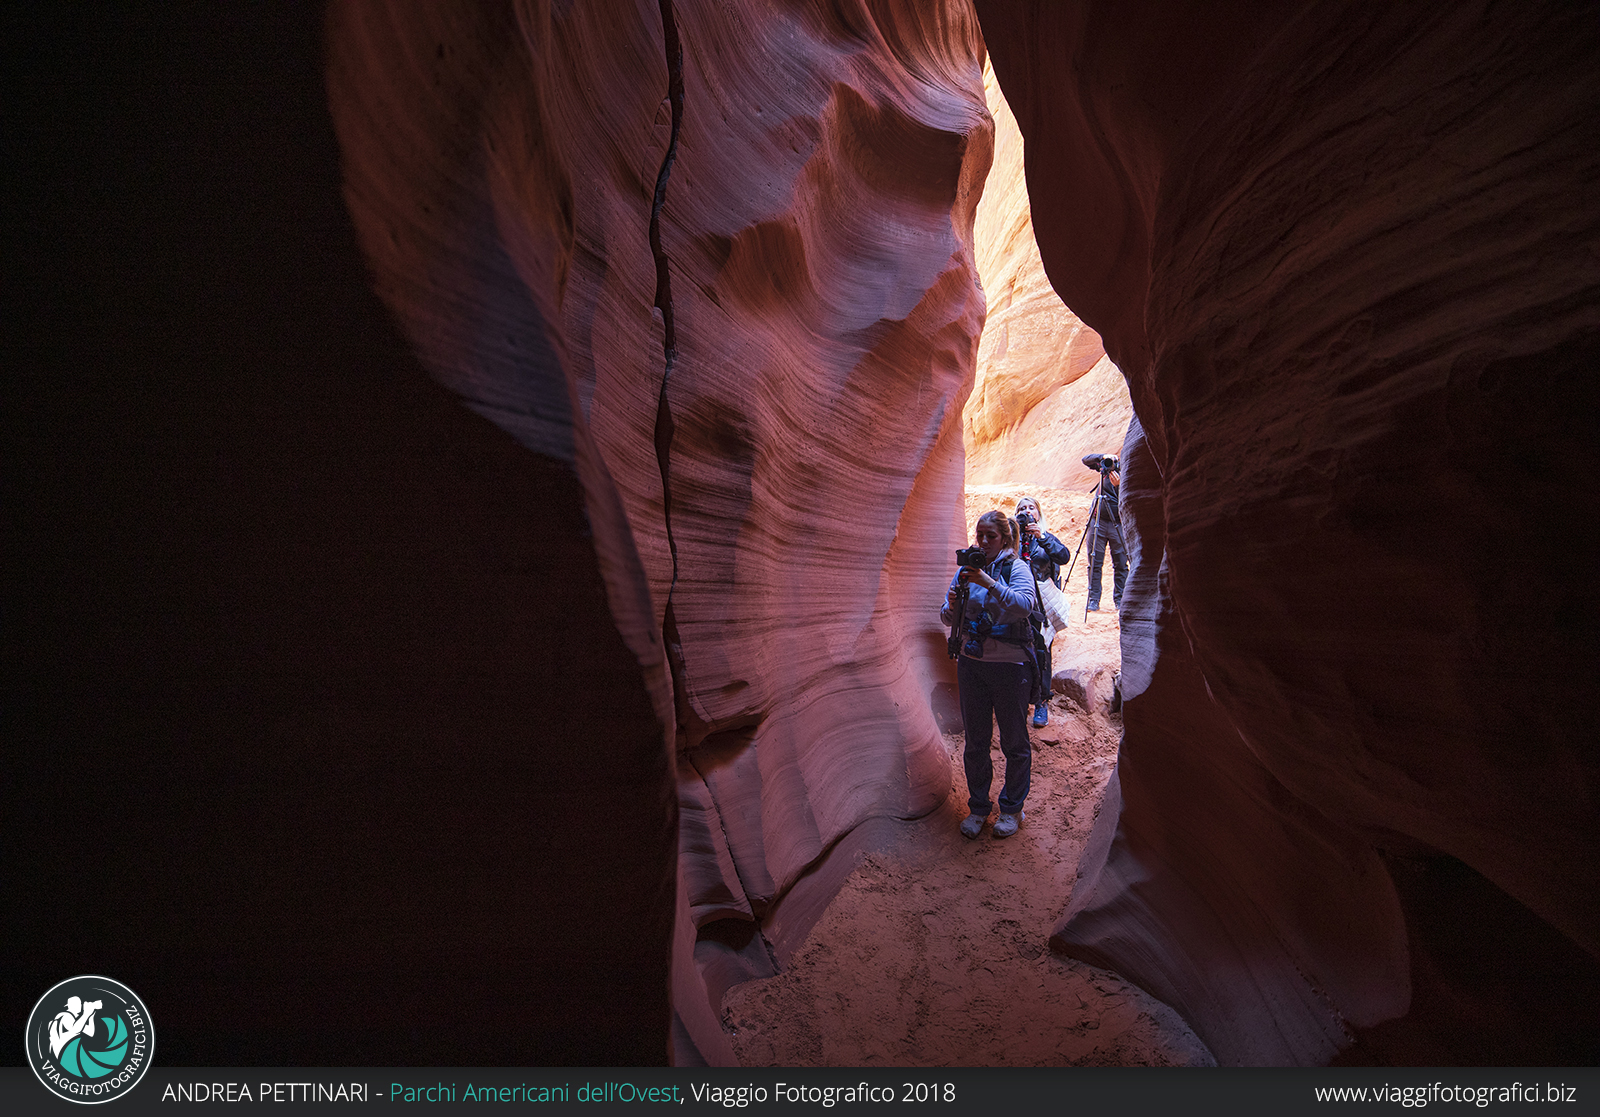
(482, 478)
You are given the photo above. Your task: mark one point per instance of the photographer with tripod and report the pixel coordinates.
(1045, 554)
(1105, 529)
(988, 608)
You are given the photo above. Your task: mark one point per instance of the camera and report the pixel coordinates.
(1109, 465)
(1024, 520)
(972, 557)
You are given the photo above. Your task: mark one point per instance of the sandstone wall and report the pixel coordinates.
(722, 260)
(280, 604)
(1346, 258)
(1045, 393)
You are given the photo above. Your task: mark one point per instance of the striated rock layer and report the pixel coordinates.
(1346, 257)
(1045, 393)
(721, 260)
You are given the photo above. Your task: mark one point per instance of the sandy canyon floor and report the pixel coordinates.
(934, 953)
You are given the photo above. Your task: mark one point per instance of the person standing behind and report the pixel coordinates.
(1106, 531)
(1046, 554)
(996, 637)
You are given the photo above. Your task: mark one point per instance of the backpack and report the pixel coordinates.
(1036, 650)
(1036, 646)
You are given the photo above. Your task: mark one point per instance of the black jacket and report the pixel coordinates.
(1046, 554)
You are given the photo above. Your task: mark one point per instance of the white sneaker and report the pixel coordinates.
(1006, 824)
(973, 823)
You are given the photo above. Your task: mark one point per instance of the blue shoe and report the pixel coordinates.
(1041, 716)
(972, 824)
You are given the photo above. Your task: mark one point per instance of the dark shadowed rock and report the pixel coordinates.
(1345, 258)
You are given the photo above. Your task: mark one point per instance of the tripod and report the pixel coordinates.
(953, 644)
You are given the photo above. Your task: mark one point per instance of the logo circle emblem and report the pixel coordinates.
(90, 1039)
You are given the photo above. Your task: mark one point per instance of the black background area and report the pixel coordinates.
(290, 746)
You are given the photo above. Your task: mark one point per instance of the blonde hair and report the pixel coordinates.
(1037, 508)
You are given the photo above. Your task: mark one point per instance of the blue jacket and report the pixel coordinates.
(1007, 606)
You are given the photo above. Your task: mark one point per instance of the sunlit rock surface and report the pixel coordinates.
(1045, 393)
(1347, 258)
(775, 517)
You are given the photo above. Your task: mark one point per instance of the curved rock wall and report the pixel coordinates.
(722, 260)
(1045, 393)
(284, 603)
(1346, 257)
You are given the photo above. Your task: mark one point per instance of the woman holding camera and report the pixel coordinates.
(1046, 554)
(992, 603)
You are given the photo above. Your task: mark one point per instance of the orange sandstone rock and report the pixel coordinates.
(758, 380)
(1045, 392)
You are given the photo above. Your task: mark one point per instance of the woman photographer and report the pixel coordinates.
(1046, 554)
(992, 603)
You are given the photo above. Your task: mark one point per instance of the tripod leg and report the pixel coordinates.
(1093, 507)
(1092, 529)
(1088, 592)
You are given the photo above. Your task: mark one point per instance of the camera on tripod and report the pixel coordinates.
(1109, 465)
(972, 557)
